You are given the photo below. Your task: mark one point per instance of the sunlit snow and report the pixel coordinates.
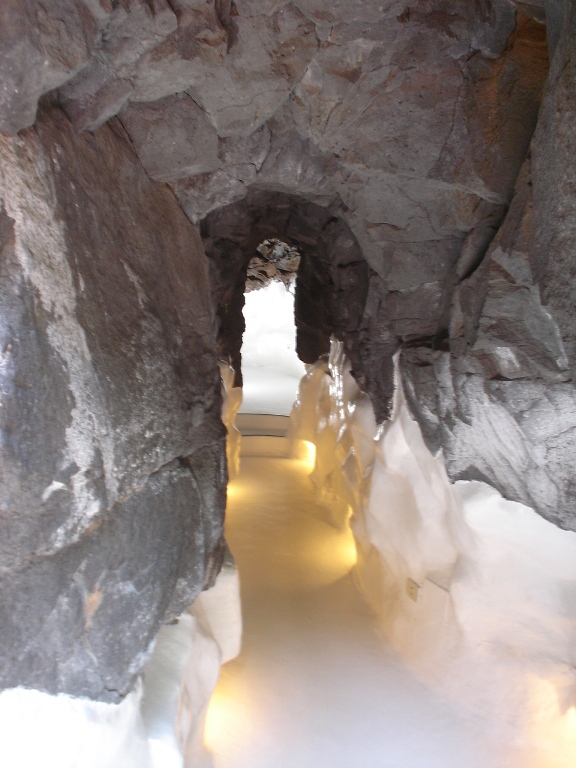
(270, 367)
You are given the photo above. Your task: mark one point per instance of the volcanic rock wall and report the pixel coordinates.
(501, 402)
(112, 471)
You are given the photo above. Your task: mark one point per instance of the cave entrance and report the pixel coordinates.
(336, 292)
(271, 369)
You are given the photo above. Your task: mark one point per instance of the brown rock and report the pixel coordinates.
(554, 180)
(94, 96)
(172, 138)
(43, 43)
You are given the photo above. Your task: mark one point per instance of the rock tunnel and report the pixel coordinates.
(331, 293)
(420, 157)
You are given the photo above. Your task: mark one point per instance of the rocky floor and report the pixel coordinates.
(315, 684)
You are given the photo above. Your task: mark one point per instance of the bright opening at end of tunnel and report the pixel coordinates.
(270, 367)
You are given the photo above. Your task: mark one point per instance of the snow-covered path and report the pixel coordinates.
(315, 684)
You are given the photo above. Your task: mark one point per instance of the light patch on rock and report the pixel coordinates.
(52, 488)
(27, 190)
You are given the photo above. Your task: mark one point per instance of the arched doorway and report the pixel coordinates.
(334, 293)
(271, 369)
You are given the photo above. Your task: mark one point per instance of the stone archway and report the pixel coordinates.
(333, 293)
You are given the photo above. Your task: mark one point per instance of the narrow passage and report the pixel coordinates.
(315, 685)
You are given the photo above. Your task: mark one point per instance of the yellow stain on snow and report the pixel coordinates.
(229, 726)
(565, 732)
(305, 452)
(232, 491)
(217, 720)
(553, 729)
(235, 492)
(332, 556)
(348, 551)
(286, 545)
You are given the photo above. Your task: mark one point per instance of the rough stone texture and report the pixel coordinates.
(501, 403)
(196, 48)
(335, 288)
(112, 449)
(268, 55)
(557, 13)
(135, 27)
(68, 33)
(94, 96)
(422, 176)
(238, 61)
(172, 137)
(101, 89)
(554, 176)
(43, 43)
(409, 121)
(517, 435)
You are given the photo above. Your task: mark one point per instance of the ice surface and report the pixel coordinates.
(270, 367)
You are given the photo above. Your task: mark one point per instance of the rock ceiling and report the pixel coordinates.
(408, 122)
(408, 119)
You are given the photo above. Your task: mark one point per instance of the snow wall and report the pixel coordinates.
(159, 725)
(476, 593)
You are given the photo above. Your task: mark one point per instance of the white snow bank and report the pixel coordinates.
(477, 593)
(183, 671)
(271, 369)
(37, 729)
(159, 725)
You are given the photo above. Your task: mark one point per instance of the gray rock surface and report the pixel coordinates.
(94, 96)
(519, 435)
(112, 448)
(501, 403)
(409, 121)
(172, 137)
(43, 43)
(554, 179)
